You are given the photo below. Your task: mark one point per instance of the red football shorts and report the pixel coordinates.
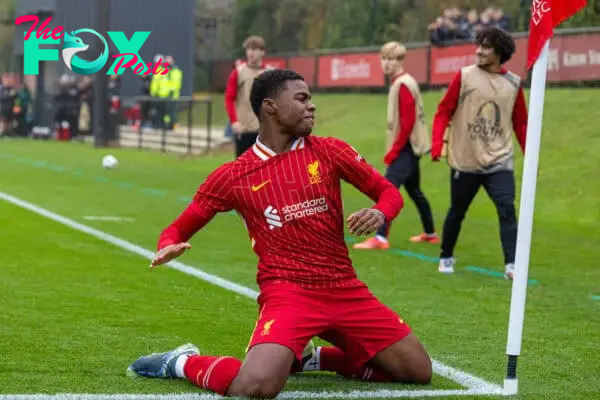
(352, 319)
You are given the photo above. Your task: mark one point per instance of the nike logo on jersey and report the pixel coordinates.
(256, 188)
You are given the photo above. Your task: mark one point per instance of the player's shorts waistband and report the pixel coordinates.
(325, 285)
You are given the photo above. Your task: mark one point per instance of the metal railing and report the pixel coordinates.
(154, 133)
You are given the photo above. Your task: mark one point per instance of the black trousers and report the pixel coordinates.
(145, 110)
(158, 119)
(244, 141)
(21, 128)
(500, 187)
(405, 171)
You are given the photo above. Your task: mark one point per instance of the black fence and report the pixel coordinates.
(191, 132)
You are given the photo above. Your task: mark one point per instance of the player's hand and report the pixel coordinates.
(169, 253)
(365, 221)
(237, 128)
(435, 158)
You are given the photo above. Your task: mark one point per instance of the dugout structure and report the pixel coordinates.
(171, 25)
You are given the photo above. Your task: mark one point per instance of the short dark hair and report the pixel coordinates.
(269, 84)
(498, 39)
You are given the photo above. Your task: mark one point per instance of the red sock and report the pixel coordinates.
(212, 373)
(333, 359)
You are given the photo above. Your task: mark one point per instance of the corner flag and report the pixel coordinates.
(545, 16)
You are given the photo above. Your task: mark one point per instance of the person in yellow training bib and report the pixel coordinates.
(173, 83)
(159, 89)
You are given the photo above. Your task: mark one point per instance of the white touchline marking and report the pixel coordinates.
(474, 384)
(357, 394)
(218, 281)
(108, 218)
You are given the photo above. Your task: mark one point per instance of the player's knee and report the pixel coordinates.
(262, 391)
(418, 374)
(415, 194)
(261, 387)
(506, 211)
(456, 214)
(417, 370)
(422, 372)
(394, 179)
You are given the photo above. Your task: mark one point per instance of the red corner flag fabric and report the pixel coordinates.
(545, 16)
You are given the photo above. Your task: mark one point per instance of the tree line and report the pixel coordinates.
(305, 25)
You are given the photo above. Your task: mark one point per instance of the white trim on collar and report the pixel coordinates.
(264, 152)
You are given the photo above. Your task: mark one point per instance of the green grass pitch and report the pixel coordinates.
(75, 310)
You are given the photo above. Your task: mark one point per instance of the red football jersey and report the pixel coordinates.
(291, 204)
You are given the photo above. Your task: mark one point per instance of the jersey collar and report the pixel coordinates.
(264, 153)
(398, 75)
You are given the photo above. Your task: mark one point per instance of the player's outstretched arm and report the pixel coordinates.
(365, 221)
(169, 253)
(214, 195)
(173, 241)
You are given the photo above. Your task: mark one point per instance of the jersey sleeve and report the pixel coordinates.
(444, 114)
(216, 193)
(231, 92)
(354, 169)
(213, 196)
(408, 118)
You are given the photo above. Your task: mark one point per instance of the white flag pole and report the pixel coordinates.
(525, 225)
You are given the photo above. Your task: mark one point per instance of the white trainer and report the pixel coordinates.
(311, 358)
(446, 265)
(509, 271)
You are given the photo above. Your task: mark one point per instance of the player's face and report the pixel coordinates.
(295, 110)
(254, 56)
(486, 56)
(389, 65)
